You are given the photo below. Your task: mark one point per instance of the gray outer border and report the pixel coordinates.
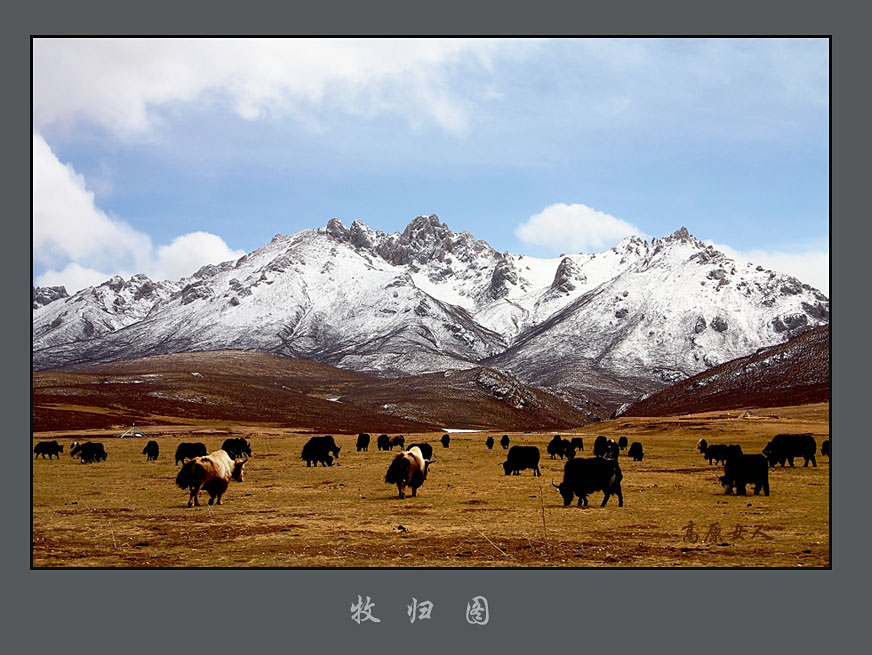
(289, 610)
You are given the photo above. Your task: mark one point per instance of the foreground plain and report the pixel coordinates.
(127, 512)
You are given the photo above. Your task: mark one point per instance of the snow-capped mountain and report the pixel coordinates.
(621, 323)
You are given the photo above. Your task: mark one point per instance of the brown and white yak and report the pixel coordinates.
(409, 468)
(211, 472)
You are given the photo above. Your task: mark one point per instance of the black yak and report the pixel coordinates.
(583, 476)
(555, 447)
(489, 443)
(636, 451)
(409, 469)
(211, 472)
(741, 470)
(237, 447)
(317, 449)
(599, 446)
(825, 448)
(398, 440)
(187, 450)
(88, 452)
(520, 458)
(504, 441)
(719, 453)
(151, 451)
(383, 442)
(47, 448)
(622, 443)
(446, 439)
(784, 447)
(426, 449)
(577, 443)
(362, 442)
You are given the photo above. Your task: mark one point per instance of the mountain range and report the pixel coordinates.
(596, 330)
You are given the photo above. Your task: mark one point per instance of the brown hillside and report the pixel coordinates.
(258, 388)
(796, 372)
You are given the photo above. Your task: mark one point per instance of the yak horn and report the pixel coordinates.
(554, 485)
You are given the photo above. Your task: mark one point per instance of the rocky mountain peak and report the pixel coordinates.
(568, 275)
(41, 296)
(426, 229)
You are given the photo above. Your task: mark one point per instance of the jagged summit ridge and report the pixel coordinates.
(622, 322)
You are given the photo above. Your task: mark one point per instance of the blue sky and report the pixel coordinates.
(161, 155)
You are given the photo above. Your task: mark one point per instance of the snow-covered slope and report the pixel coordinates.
(673, 308)
(60, 319)
(623, 322)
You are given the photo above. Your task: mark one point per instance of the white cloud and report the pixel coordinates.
(189, 252)
(81, 246)
(811, 267)
(67, 225)
(120, 83)
(574, 228)
(74, 277)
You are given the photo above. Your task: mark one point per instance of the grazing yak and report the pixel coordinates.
(187, 450)
(398, 440)
(561, 447)
(784, 447)
(719, 453)
(446, 439)
(612, 450)
(88, 452)
(577, 443)
(426, 449)
(151, 451)
(741, 470)
(318, 449)
(555, 447)
(211, 472)
(622, 443)
(583, 476)
(237, 447)
(825, 448)
(701, 445)
(599, 446)
(409, 469)
(520, 458)
(363, 442)
(489, 443)
(504, 442)
(383, 442)
(47, 448)
(636, 451)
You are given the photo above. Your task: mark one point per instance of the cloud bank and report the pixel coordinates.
(120, 84)
(574, 228)
(81, 246)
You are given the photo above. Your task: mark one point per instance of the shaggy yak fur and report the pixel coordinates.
(211, 472)
(409, 468)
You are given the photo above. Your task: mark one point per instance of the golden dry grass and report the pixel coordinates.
(129, 513)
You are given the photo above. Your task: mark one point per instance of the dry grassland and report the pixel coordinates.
(127, 512)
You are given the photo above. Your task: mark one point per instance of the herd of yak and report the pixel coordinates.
(581, 476)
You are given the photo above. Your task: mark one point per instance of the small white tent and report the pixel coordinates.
(132, 432)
